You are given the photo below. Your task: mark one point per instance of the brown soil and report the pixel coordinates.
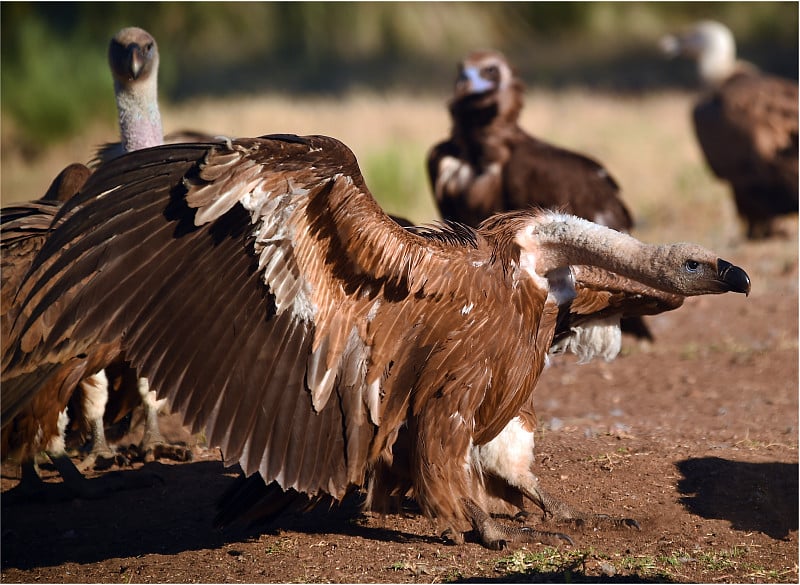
(694, 435)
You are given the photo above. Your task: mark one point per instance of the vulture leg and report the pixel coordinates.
(32, 488)
(153, 445)
(496, 536)
(554, 508)
(509, 456)
(95, 397)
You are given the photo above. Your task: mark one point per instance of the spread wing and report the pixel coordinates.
(23, 229)
(259, 287)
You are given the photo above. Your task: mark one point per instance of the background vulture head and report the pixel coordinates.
(709, 43)
(486, 81)
(132, 55)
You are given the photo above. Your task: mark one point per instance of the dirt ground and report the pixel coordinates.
(694, 435)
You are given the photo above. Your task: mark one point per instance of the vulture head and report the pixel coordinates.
(133, 55)
(133, 58)
(710, 44)
(486, 83)
(698, 271)
(685, 269)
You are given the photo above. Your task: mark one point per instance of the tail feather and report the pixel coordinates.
(252, 502)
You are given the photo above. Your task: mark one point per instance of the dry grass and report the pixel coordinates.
(646, 142)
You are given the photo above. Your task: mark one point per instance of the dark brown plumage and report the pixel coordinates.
(747, 125)
(23, 231)
(264, 292)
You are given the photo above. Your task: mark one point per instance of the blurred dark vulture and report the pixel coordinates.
(320, 345)
(489, 164)
(82, 384)
(746, 123)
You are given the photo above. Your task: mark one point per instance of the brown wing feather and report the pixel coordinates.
(23, 231)
(599, 291)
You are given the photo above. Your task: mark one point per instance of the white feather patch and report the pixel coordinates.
(270, 213)
(599, 338)
(454, 174)
(57, 445)
(510, 455)
(527, 263)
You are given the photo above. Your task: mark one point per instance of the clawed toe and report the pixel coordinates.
(103, 460)
(601, 521)
(157, 451)
(548, 538)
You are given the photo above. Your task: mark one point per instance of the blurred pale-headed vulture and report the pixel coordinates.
(746, 123)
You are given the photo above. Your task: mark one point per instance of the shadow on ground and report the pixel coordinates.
(751, 496)
(171, 516)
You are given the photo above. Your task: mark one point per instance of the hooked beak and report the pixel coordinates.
(733, 278)
(470, 82)
(136, 61)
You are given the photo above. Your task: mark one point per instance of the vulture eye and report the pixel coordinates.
(491, 72)
(692, 265)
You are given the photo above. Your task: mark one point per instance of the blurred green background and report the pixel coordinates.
(55, 77)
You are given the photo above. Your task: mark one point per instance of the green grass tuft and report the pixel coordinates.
(54, 87)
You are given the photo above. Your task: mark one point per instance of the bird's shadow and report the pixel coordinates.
(172, 515)
(759, 497)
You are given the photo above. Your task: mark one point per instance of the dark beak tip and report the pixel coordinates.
(736, 278)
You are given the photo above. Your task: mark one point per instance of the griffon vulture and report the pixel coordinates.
(133, 59)
(490, 164)
(746, 124)
(261, 289)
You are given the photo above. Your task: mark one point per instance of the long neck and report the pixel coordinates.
(139, 117)
(571, 240)
(718, 60)
(714, 68)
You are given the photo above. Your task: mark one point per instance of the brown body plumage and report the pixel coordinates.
(264, 292)
(746, 123)
(37, 424)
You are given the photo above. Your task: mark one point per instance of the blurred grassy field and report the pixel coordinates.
(646, 142)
